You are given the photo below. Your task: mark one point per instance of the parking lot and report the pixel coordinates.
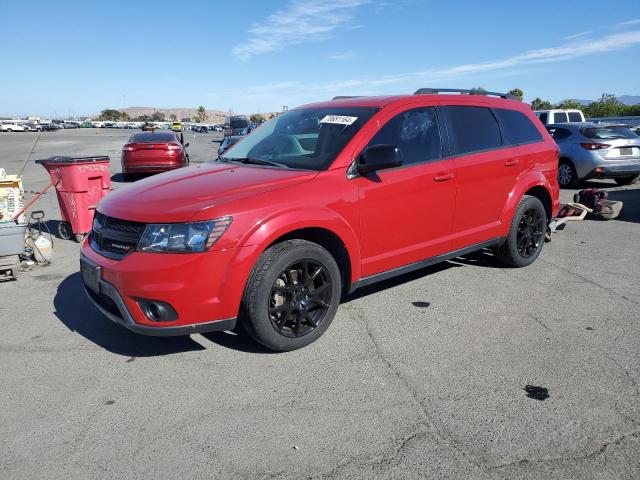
(419, 377)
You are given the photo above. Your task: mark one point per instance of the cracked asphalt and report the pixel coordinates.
(419, 377)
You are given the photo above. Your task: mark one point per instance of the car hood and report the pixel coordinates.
(179, 195)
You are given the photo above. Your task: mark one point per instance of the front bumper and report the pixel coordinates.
(110, 303)
(203, 289)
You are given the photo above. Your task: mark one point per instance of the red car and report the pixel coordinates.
(317, 202)
(153, 152)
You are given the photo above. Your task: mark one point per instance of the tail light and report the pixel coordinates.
(594, 146)
(172, 147)
(128, 148)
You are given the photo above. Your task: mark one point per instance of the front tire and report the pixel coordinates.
(291, 296)
(627, 180)
(526, 235)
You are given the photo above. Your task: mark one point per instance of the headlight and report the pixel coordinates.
(183, 237)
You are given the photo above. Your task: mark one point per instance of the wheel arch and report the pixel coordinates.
(322, 226)
(328, 240)
(534, 184)
(542, 194)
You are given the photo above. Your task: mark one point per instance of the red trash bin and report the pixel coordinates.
(80, 184)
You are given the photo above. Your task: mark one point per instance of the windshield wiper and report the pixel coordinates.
(253, 161)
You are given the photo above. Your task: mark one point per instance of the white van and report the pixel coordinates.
(548, 117)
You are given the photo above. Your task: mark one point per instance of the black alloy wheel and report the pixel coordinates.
(300, 298)
(530, 233)
(291, 296)
(525, 237)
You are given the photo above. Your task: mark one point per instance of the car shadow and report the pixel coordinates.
(399, 280)
(118, 178)
(631, 209)
(78, 314)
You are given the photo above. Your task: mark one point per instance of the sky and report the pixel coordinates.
(70, 58)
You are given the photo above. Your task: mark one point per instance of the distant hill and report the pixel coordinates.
(581, 102)
(630, 99)
(213, 116)
(626, 99)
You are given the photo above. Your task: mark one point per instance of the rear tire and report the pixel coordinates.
(526, 235)
(291, 296)
(567, 175)
(627, 180)
(64, 230)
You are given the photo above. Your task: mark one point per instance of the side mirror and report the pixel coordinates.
(378, 157)
(186, 145)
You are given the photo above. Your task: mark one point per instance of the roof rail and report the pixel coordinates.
(429, 91)
(341, 97)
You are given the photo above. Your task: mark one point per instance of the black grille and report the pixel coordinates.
(114, 237)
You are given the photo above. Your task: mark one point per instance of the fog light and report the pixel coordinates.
(157, 311)
(599, 170)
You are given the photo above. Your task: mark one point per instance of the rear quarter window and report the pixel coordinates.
(543, 118)
(516, 127)
(575, 117)
(560, 117)
(471, 129)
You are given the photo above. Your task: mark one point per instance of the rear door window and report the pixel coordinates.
(415, 132)
(471, 129)
(559, 133)
(560, 117)
(516, 127)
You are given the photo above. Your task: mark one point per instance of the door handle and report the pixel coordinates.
(443, 177)
(511, 163)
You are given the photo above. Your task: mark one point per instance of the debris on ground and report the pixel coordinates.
(537, 393)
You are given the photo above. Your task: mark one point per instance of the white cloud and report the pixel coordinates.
(577, 35)
(341, 56)
(302, 21)
(295, 91)
(568, 51)
(628, 23)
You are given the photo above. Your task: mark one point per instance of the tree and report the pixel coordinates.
(607, 106)
(516, 92)
(173, 117)
(158, 117)
(185, 119)
(125, 116)
(539, 104)
(477, 90)
(569, 105)
(257, 118)
(110, 115)
(201, 115)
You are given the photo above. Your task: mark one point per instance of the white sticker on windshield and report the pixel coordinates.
(338, 119)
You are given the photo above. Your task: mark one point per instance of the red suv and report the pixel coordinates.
(152, 152)
(317, 202)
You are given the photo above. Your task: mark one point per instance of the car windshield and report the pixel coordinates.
(603, 133)
(309, 138)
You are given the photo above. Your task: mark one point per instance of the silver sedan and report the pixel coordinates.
(593, 150)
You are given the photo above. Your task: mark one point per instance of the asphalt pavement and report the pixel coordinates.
(419, 377)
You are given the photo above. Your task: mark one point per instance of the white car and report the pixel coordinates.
(12, 127)
(548, 117)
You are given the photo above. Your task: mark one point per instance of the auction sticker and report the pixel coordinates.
(338, 119)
